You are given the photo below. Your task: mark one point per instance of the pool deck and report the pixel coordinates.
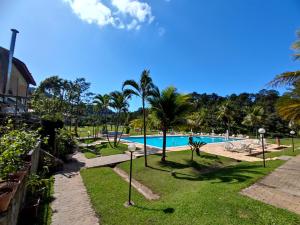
(212, 148)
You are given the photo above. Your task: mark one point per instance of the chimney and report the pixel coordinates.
(10, 59)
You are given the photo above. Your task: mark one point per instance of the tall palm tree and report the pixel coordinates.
(254, 117)
(102, 102)
(170, 108)
(119, 102)
(226, 114)
(142, 89)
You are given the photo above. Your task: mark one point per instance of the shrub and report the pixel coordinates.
(65, 142)
(14, 145)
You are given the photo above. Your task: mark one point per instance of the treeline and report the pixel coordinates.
(240, 114)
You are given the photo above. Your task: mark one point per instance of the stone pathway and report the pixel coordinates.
(281, 188)
(101, 161)
(71, 205)
(145, 191)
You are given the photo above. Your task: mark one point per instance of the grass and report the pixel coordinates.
(192, 196)
(86, 131)
(45, 211)
(89, 141)
(44, 215)
(104, 150)
(285, 151)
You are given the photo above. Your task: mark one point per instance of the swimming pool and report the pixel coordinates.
(175, 141)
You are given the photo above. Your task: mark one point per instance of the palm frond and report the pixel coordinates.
(287, 78)
(131, 83)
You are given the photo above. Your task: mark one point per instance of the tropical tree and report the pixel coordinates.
(102, 102)
(119, 103)
(254, 117)
(198, 119)
(143, 89)
(226, 114)
(170, 108)
(288, 106)
(79, 89)
(137, 123)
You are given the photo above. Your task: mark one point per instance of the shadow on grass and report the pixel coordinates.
(214, 172)
(173, 164)
(230, 174)
(166, 210)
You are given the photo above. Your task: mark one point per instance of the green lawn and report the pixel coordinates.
(285, 151)
(84, 131)
(104, 150)
(192, 196)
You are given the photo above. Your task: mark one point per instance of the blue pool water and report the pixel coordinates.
(174, 141)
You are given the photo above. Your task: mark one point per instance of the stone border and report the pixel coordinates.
(145, 191)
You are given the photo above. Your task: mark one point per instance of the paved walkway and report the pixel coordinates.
(281, 188)
(101, 161)
(71, 205)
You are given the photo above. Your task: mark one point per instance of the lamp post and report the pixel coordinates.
(262, 131)
(131, 148)
(292, 135)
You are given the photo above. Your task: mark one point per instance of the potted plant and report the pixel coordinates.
(13, 146)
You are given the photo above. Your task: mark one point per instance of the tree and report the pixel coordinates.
(198, 119)
(142, 89)
(119, 103)
(170, 108)
(226, 114)
(137, 123)
(103, 103)
(254, 118)
(288, 78)
(288, 106)
(79, 88)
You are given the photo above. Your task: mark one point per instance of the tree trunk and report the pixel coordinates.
(145, 141)
(116, 129)
(192, 155)
(163, 158)
(106, 130)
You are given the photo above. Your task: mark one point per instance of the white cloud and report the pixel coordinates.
(117, 15)
(138, 10)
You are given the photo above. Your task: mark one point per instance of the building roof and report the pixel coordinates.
(20, 66)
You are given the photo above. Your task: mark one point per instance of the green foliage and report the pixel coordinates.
(13, 146)
(35, 183)
(65, 142)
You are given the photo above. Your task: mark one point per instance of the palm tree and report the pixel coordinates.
(289, 78)
(226, 114)
(119, 102)
(288, 106)
(197, 119)
(170, 108)
(102, 102)
(254, 117)
(143, 90)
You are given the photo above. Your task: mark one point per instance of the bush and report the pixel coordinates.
(65, 142)
(14, 145)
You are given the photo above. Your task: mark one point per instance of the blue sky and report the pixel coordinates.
(205, 46)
